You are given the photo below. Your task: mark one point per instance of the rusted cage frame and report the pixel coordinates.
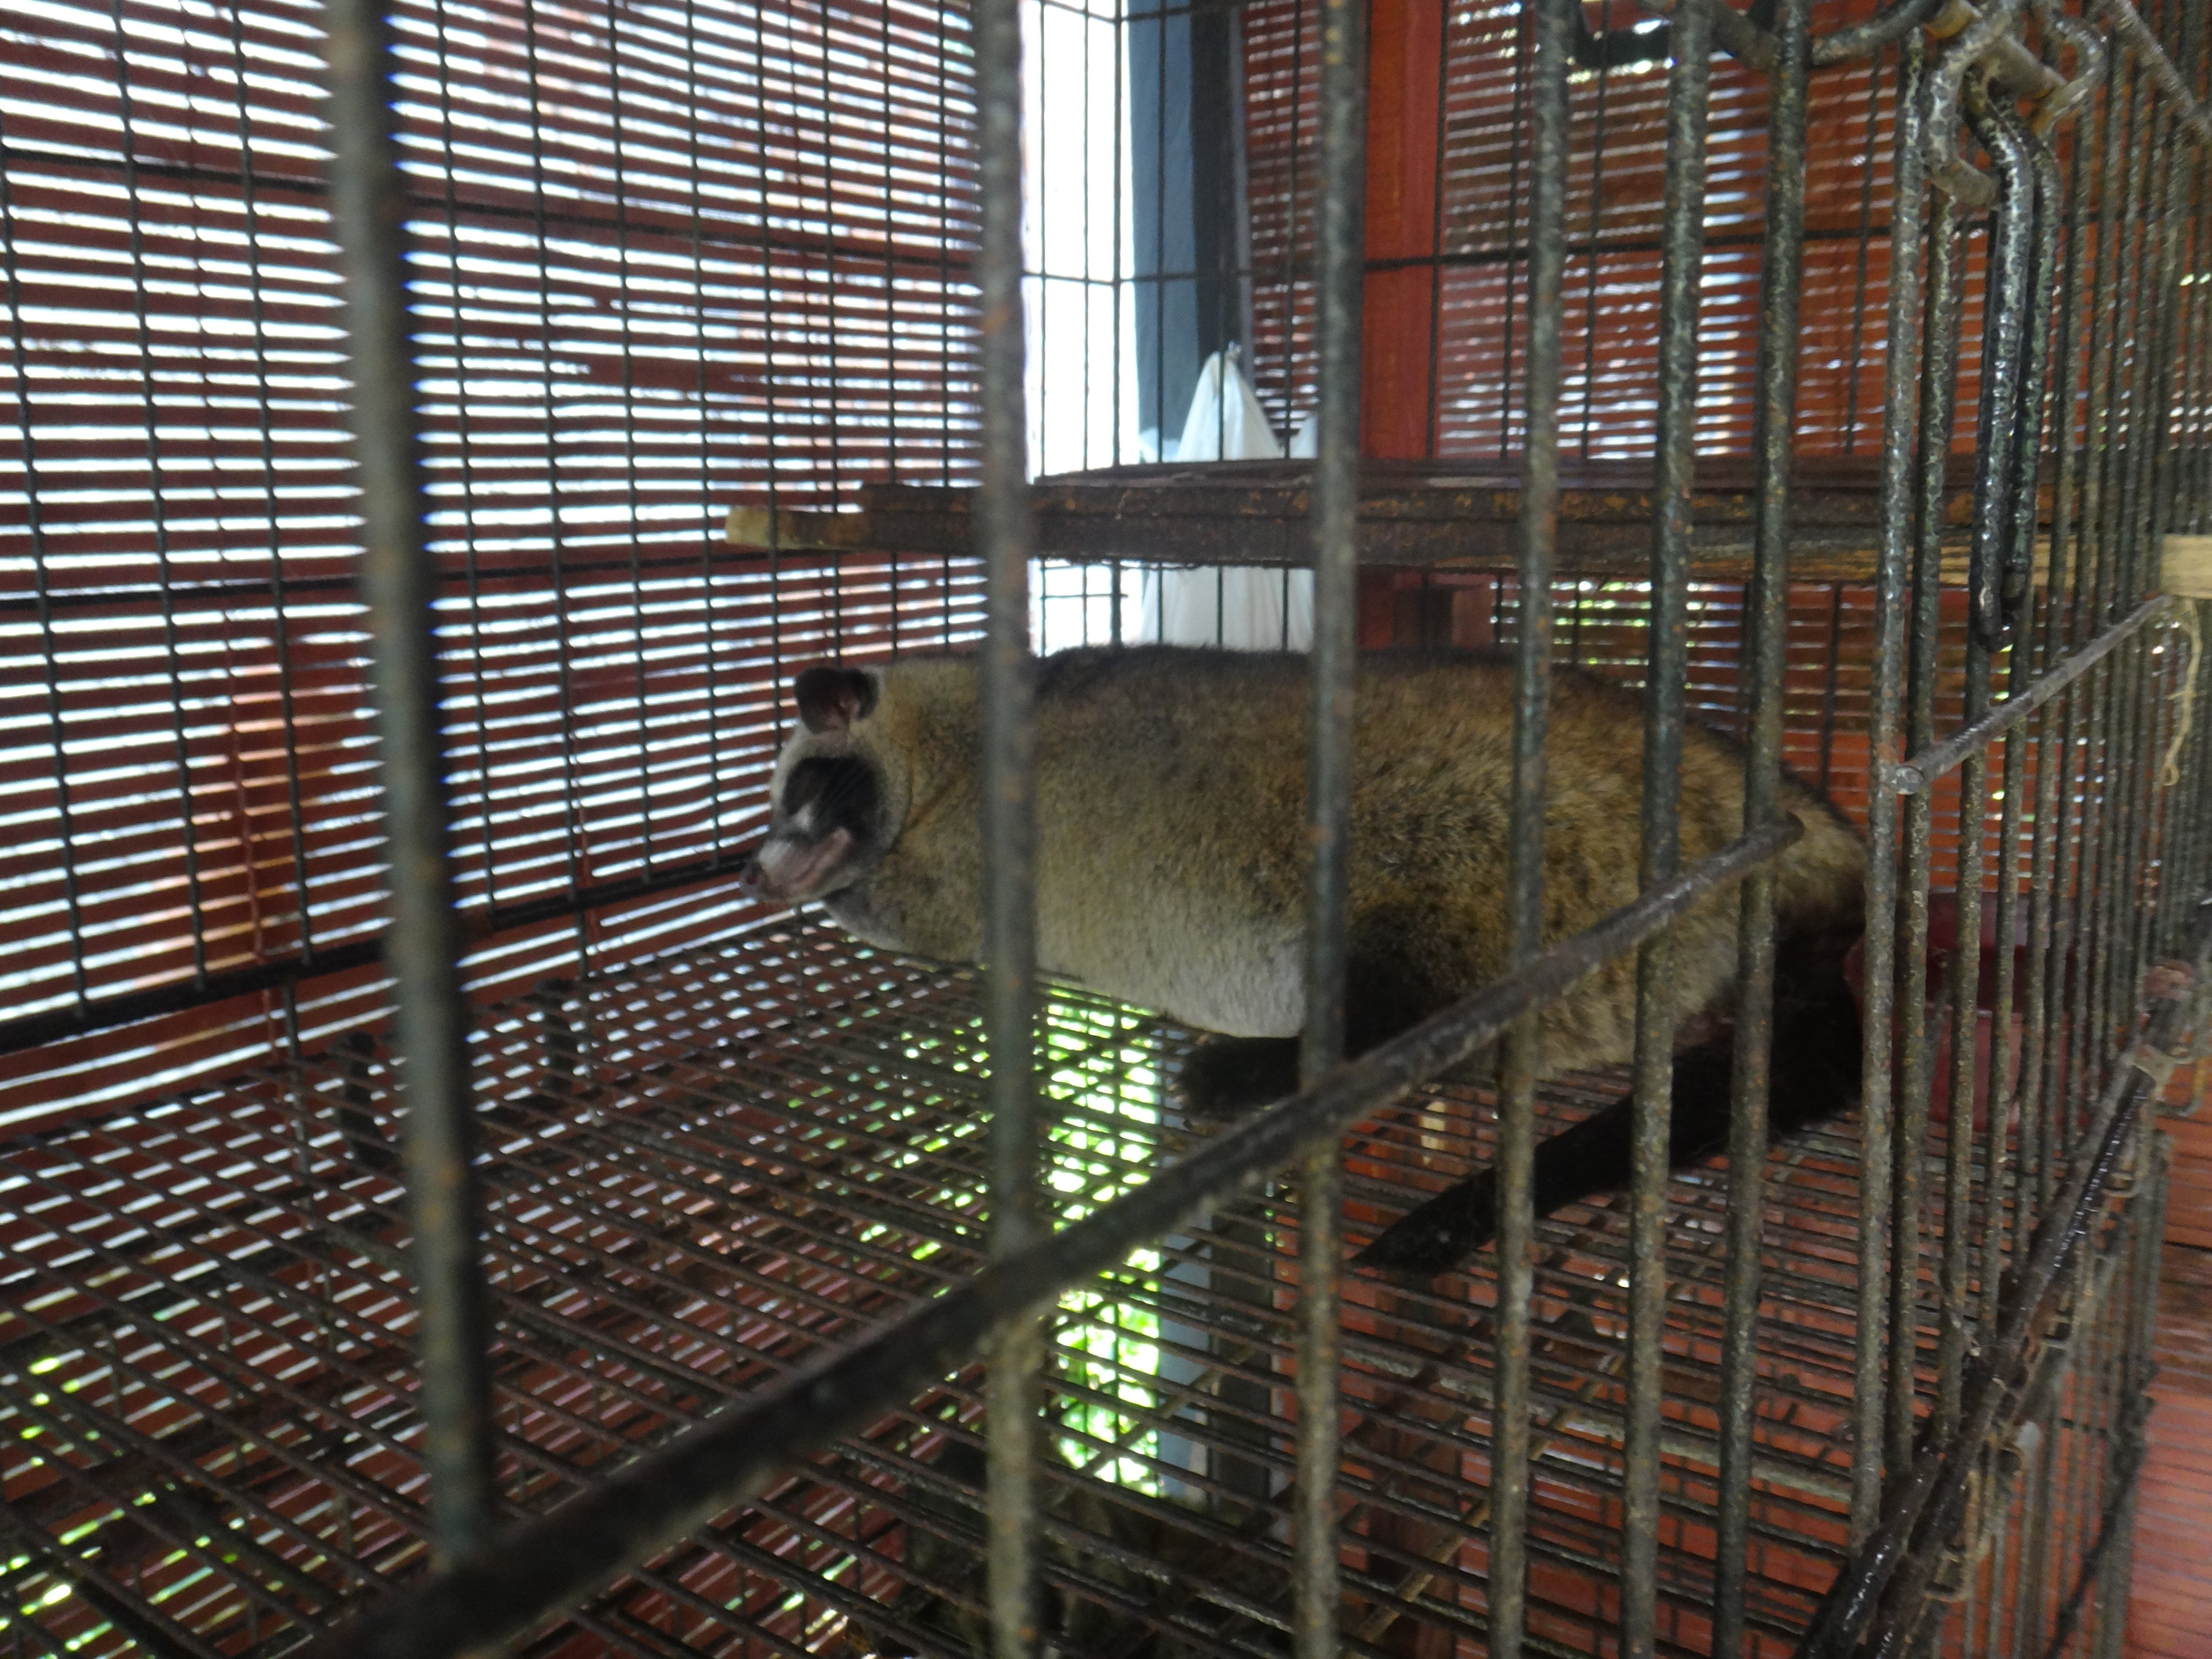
(516, 1580)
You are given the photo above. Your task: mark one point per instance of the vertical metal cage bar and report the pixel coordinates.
(1682, 258)
(280, 620)
(2093, 897)
(2026, 462)
(1009, 824)
(1907, 221)
(1767, 623)
(1341, 270)
(2051, 922)
(2105, 347)
(621, 113)
(2193, 858)
(465, 447)
(2147, 1219)
(2191, 490)
(571, 785)
(2146, 405)
(422, 950)
(187, 819)
(1962, 976)
(2165, 678)
(2140, 558)
(2169, 783)
(2134, 380)
(2035, 1151)
(56, 732)
(2154, 920)
(2196, 859)
(1538, 536)
(2004, 341)
(718, 798)
(2130, 807)
(1938, 372)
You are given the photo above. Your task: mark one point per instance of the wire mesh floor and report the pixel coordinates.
(698, 1177)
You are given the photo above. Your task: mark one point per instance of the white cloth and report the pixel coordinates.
(1249, 609)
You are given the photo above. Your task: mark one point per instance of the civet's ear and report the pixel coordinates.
(831, 698)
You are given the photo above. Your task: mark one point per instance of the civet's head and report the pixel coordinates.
(831, 815)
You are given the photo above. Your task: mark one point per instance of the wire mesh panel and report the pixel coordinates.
(1837, 388)
(700, 1175)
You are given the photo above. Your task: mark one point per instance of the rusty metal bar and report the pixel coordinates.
(1009, 830)
(1908, 219)
(2135, 35)
(368, 209)
(1991, 625)
(2025, 464)
(2051, 923)
(1946, 294)
(1688, 95)
(1766, 625)
(2010, 66)
(1993, 594)
(2123, 142)
(1340, 235)
(1537, 535)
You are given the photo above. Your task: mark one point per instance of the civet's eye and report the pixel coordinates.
(825, 793)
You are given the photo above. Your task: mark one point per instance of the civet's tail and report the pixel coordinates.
(1815, 1073)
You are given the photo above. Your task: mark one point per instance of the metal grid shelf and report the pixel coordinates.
(698, 1176)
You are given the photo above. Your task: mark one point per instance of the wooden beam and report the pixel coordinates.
(2186, 569)
(790, 530)
(1958, 564)
(1414, 516)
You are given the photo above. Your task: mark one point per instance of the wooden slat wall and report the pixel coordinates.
(664, 261)
(1447, 230)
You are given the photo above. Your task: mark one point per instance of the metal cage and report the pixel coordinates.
(584, 1261)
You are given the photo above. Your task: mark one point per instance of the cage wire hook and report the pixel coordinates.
(1996, 589)
(2088, 48)
(1947, 166)
(1864, 40)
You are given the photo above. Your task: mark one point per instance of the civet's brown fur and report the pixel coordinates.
(1172, 853)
